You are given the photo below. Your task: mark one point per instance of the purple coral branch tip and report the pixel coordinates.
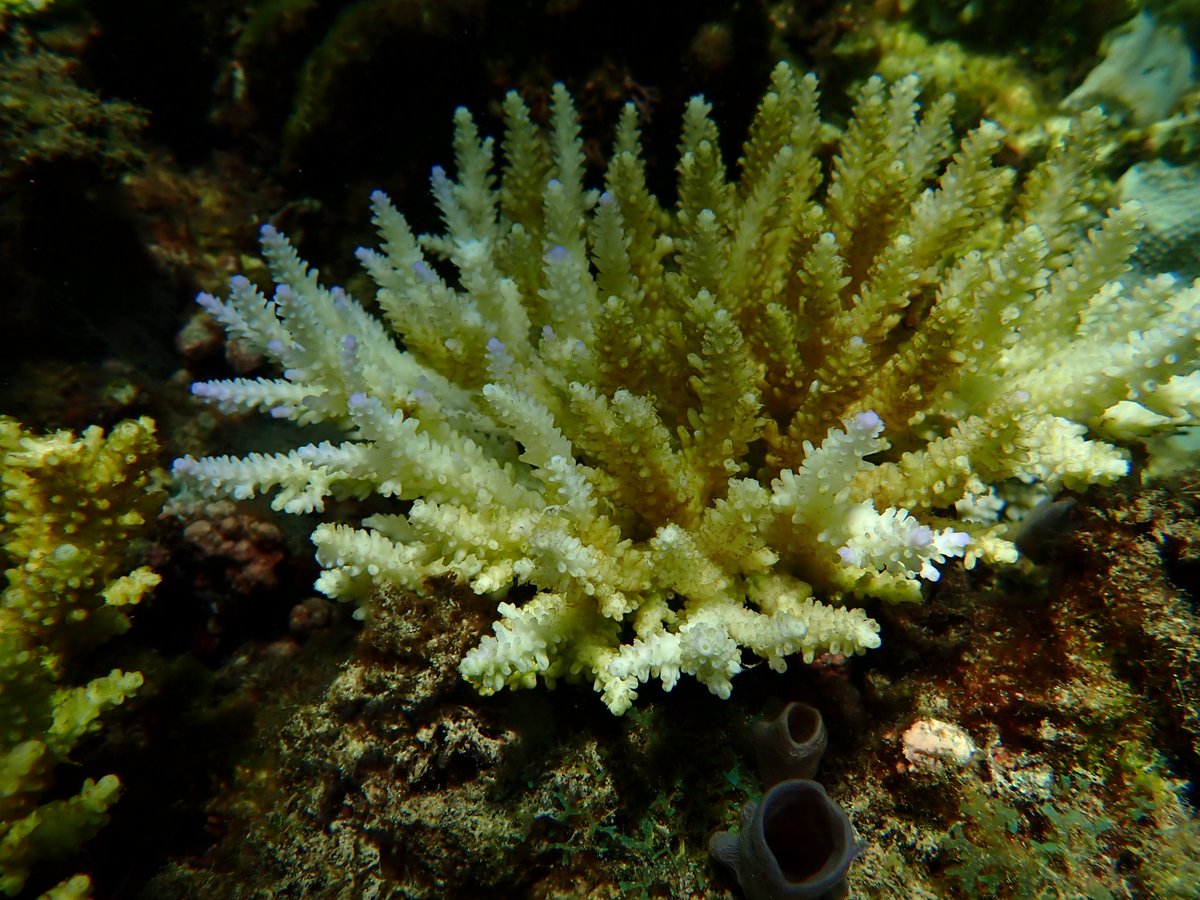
(868, 420)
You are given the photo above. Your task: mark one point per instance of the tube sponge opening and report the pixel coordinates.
(795, 843)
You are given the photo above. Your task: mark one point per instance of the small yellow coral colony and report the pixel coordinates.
(71, 506)
(668, 424)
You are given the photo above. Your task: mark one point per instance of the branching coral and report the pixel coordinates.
(70, 505)
(669, 422)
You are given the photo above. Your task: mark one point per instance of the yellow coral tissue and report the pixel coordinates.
(698, 431)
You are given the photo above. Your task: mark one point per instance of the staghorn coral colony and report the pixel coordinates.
(658, 435)
(70, 507)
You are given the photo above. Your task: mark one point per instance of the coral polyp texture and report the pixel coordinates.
(658, 435)
(71, 506)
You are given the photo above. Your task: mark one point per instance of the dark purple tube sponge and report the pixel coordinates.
(790, 744)
(794, 843)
